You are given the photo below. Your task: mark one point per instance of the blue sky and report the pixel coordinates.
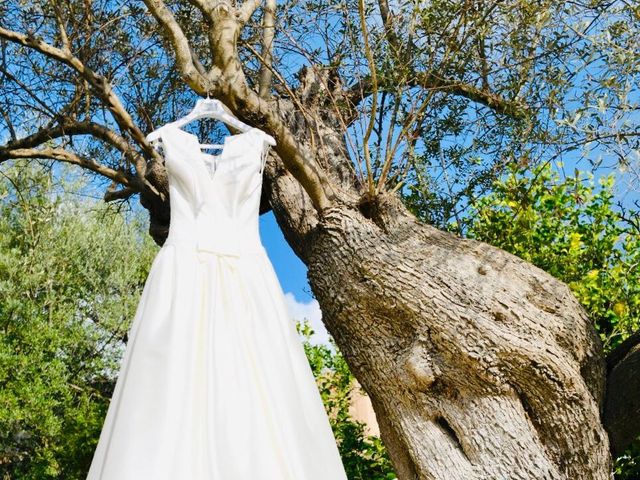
(292, 274)
(291, 271)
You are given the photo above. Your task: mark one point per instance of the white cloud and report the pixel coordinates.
(311, 310)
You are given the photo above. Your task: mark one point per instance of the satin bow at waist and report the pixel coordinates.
(206, 248)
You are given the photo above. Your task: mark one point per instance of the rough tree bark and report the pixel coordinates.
(478, 364)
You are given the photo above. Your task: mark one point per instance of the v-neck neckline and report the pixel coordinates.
(203, 156)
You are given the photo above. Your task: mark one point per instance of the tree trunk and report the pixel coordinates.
(622, 406)
(478, 364)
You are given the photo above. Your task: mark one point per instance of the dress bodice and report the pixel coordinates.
(215, 209)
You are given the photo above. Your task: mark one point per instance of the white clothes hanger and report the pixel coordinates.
(209, 108)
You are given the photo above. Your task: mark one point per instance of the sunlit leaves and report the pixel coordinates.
(70, 278)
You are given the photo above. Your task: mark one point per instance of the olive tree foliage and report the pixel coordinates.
(459, 89)
(71, 273)
(370, 103)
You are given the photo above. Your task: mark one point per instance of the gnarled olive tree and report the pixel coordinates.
(478, 364)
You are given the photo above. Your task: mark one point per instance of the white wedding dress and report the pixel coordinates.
(214, 382)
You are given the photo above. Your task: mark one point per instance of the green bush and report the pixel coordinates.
(70, 278)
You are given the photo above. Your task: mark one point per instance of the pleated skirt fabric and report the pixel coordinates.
(214, 383)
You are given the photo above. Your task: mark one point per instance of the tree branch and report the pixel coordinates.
(247, 9)
(386, 15)
(63, 155)
(233, 90)
(101, 86)
(9, 124)
(113, 194)
(12, 78)
(300, 164)
(269, 26)
(205, 6)
(61, 26)
(430, 81)
(186, 62)
(374, 98)
(71, 127)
